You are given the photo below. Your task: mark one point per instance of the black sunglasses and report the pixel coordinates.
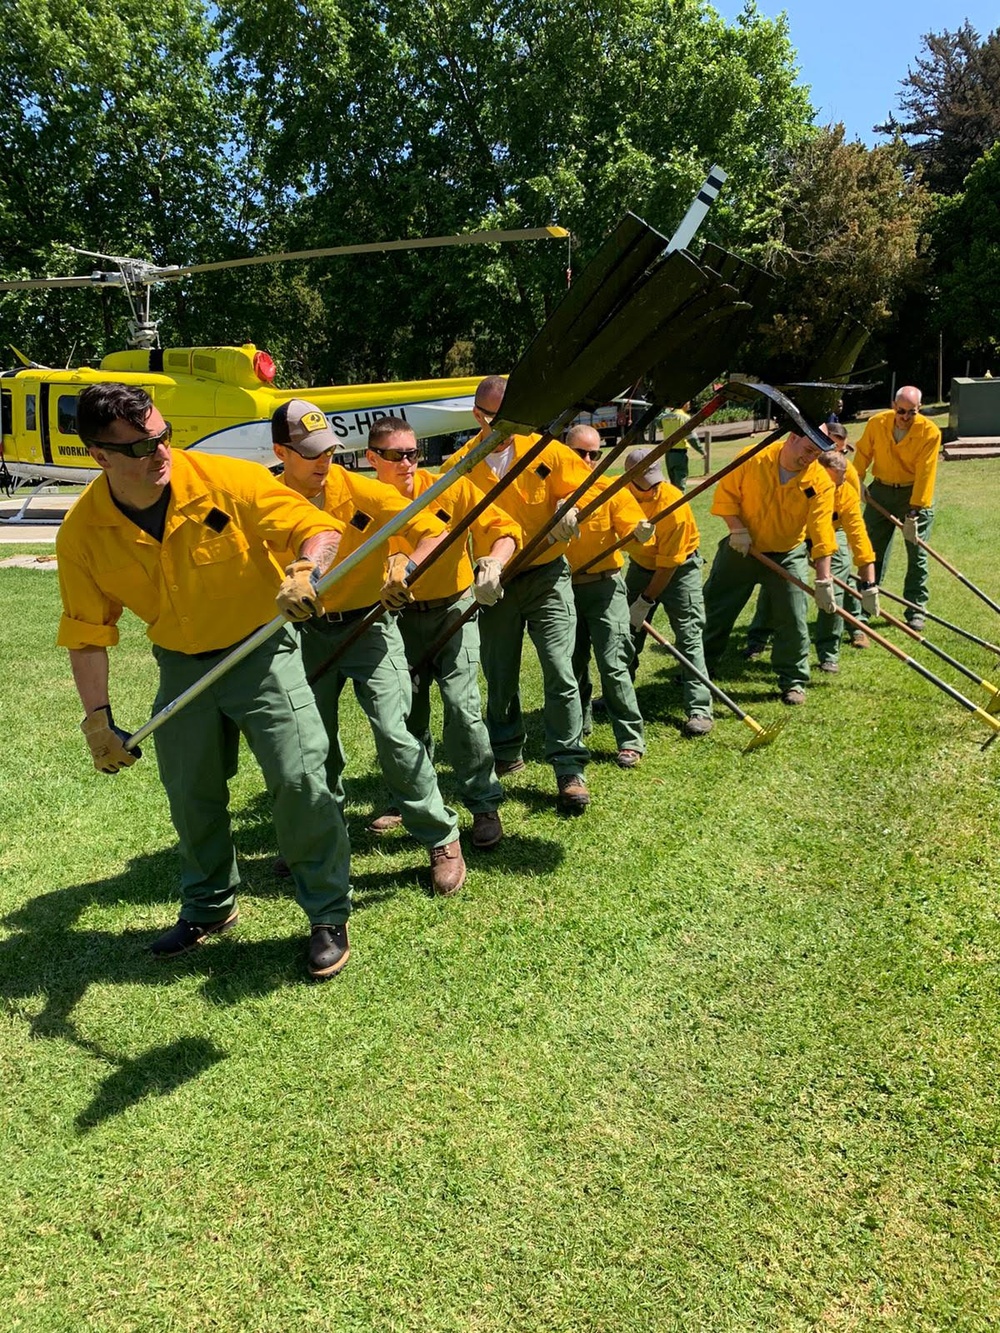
(591, 455)
(397, 455)
(141, 448)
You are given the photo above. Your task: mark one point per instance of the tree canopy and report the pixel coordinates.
(950, 105)
(180, 131)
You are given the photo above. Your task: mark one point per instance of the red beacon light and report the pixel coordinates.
(263, 367)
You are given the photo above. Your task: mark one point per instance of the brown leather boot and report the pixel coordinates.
(447, 868)
(573, 796)
(486, 830)
(386, 822)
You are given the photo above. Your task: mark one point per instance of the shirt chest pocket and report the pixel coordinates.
(599, 520)
(532, 488)
(219, 562)
(124, 579)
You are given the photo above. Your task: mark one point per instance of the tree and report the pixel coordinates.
(950, 105)
(965, 232)
(846, 243)
(448, 115)
(112, 141)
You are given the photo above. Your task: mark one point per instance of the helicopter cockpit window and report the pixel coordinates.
(6, 413)
(66, 414)
(30, 419)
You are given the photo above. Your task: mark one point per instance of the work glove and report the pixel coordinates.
(910, 526)
(869, 600)
(488, 589)
(740, 541)
(107, 742)
(825, 599)
(394, 593)
(640, 610)
(643, 532)
(568, 526)
(297, 597)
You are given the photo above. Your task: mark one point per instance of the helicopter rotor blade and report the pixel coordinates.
(371, 248)
(141, 273)
(91, 280)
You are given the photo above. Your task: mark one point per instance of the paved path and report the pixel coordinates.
(42, 522)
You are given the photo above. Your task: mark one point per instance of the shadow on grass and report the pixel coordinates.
(155, 1074)
(48, 956)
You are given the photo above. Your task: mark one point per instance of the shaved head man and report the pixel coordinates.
(901, 447)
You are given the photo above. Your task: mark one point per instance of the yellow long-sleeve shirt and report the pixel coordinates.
(453, 572)
(210, 582)
(360, 506)
(912, 462)
(779, 517)
(532, 498)
(616, 518)
(676, 537)
(847, 515)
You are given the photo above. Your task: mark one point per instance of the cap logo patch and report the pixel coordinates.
(311, 421)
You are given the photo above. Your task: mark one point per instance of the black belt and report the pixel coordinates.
(580, 579)
(894, 485)
(331, 619)
(435, 603)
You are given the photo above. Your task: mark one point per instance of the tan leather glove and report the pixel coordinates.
(568, 526)
(643, 532)
(641, 609)
(395, 594)
(910, 527)
(297, 597)
(869, 600)
(107, 742)
(826, 598)
(740, 541)
(488, 590)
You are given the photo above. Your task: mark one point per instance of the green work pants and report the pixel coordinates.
(896, 499)
(541, 601)
(455, 668)
(730, 586)
(602, 624)
(684, 602)
(267, 698)
(677, 468)
(829, 629)
(376, 665)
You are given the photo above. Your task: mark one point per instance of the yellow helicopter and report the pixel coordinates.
(218, 399)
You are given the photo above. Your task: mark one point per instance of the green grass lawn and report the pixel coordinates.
(720, 1055)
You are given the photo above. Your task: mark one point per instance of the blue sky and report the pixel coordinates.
(854, 53)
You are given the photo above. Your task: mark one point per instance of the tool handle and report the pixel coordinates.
(869, 499)
(688, 496)
(688, 665)
(921, 670)
(896, 623)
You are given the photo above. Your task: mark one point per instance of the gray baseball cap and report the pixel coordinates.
(303, 427)
(651, 476)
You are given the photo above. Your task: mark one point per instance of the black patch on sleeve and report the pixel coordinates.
(543, 470)
(218, 520)
(809, 491)
(443, 515)
(360, 520)
(836, 516)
